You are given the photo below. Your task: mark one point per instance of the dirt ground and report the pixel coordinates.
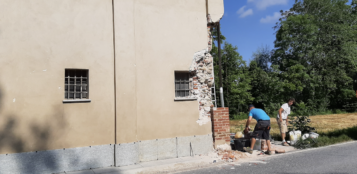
(322, 123)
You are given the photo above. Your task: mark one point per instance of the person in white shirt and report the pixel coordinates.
(282, 119)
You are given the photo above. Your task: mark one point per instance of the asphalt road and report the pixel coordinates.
(336, 159)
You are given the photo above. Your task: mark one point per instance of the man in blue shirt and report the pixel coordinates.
(261, 130)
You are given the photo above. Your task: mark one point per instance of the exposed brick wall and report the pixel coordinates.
(202, 80)
(220, 126)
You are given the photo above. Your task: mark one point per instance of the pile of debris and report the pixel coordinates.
(224, 153)
(231, 155)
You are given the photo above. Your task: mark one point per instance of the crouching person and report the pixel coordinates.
(261, 130)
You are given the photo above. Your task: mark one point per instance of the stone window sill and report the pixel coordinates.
(78, 101)
(185, 99)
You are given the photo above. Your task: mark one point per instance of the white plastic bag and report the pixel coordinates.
(314, 135)
(310, 135)
(305, 136)
(294, 136)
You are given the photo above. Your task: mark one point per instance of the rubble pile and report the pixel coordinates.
(228, 155)
(231, 155)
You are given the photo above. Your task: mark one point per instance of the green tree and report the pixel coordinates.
(315, 49)
(263, 57)
(235, 77)
(267, 88)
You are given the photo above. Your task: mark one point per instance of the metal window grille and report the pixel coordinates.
(182, 84)
(76, 84)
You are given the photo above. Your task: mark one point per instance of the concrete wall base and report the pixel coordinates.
(60, 160)
(90, 157)
(159, 149)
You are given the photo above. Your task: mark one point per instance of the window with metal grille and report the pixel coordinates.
(76, 85)
(182, 84)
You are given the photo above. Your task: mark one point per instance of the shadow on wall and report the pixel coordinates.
(40, 135)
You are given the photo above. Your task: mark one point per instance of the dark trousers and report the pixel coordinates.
(262, 130)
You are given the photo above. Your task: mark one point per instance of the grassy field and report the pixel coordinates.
(322, 123)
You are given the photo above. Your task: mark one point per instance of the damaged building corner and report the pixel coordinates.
(203, 79)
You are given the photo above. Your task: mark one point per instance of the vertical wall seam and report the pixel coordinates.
(136, 75)
(206, 8)
(115, 86)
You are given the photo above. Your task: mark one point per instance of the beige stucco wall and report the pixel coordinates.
(153, 39)
(215, 9)
(38, 40)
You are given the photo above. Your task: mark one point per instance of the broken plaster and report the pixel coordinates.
(203, 79)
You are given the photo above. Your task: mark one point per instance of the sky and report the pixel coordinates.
(248, 24)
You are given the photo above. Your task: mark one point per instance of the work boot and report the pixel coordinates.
(268, 152)
(248, 149)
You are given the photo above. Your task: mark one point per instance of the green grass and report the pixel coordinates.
(327, 112)
(350, 132)
(244, 115)
(240, 116)
(326, 140)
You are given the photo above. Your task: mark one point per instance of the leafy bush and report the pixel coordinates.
(301, 120)
(339, 111)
